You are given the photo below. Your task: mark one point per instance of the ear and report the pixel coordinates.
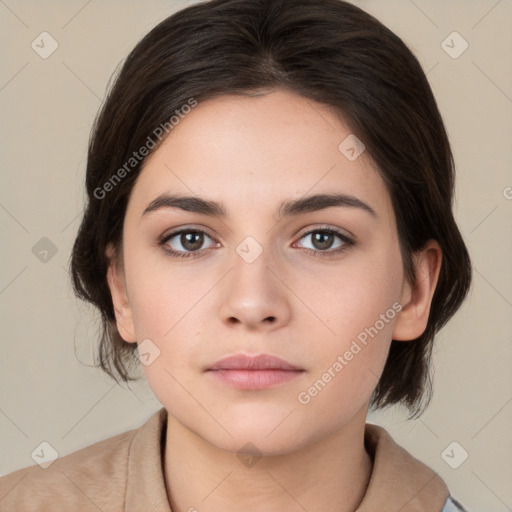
(117, 284)
(416, 297)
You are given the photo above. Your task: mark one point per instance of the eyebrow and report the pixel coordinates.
(288, 208)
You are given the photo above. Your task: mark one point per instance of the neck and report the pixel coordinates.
(330, 474)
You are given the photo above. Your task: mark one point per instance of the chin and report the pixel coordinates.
(258, 445)
(260, 437)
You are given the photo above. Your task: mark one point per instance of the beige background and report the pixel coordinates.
(48, 391)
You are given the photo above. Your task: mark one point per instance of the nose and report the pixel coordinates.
(255, 298)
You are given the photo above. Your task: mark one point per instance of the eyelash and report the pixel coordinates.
(347, 243)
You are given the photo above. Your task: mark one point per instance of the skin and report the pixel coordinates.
(251, 154)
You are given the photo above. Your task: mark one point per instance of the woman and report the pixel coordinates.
(269, 231)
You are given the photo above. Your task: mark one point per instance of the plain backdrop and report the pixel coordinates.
(49, 390)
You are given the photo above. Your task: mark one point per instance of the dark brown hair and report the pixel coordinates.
(328, 51)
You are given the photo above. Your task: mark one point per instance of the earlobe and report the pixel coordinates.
(417, 297)
(122, 308)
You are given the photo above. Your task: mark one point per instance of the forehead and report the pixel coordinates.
(260, 151)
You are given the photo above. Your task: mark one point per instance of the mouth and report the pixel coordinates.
(242, 371)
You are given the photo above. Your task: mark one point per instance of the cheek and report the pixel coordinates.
(358, 308)
(353, 296)
(161, 294)
(168, 308)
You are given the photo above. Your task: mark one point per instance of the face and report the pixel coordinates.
(318, 286)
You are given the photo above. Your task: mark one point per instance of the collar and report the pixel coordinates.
(399, 482)
(145, 486)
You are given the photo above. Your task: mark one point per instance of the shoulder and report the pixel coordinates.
(88, 479)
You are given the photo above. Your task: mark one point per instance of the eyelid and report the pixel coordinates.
(327, 227)
(187, 227)
(307, 231)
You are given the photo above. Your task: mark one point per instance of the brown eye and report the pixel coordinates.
(323, 242)
(191, 241)
(185, 242)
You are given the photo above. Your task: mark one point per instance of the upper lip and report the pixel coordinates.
(249, 362)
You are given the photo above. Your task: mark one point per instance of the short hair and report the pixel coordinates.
(328, 51)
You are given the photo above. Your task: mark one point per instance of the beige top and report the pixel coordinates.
(125, 473)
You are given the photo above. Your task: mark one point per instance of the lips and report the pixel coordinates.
(244, 372)
(259, 362)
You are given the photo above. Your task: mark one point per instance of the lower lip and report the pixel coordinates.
(254, 379)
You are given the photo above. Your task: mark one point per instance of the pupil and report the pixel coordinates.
(187, 241)
(320, 240)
